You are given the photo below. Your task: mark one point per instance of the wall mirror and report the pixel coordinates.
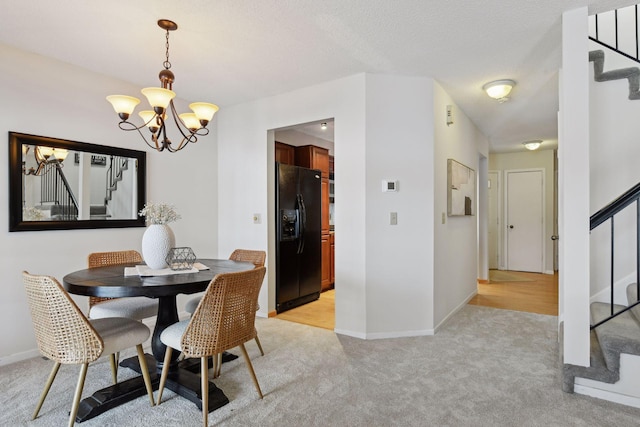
(56, 184)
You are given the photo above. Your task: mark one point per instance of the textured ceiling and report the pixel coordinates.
(232, 51)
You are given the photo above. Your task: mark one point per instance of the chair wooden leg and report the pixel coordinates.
(145, 373)
(47, 386)
(259, 345)
(165, 372)
(78, 394)
(113, 360)
(250, 366)
(204, 381)
(214, 367)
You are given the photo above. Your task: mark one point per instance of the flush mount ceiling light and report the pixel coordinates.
(190, 125)
(533, 144)
(499, 89)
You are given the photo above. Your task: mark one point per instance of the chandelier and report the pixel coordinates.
(190, 125)
(46, 159)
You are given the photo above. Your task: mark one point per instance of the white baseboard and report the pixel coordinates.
(401, 334)
(607, 395)
(351, 333)
(455, 310)
(19, 357)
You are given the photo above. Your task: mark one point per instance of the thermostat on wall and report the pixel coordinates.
(388, 186)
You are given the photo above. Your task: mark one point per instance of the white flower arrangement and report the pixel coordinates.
(32, 214)
(159, 213)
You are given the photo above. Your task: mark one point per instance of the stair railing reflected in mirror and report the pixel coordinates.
(46, 175)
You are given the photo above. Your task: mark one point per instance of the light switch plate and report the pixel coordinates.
(393, 218)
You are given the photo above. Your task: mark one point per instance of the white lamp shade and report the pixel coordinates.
(44, 152)
(60, 154)
(123, 103)
(158, 97)
(190, 121)
(148, 117)
(204, 110)
(499, 89)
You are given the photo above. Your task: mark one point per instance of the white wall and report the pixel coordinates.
(246, 186)
(399, 285)
(455, 241)
(525, 160)
(44, 97)
(385, 275)
(573, 187)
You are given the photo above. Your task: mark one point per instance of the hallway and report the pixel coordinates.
(519, 291)
(509, 290)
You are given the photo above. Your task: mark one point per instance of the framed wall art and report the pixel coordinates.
(461, 189)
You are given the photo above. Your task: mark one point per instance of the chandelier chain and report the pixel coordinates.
(166, 63)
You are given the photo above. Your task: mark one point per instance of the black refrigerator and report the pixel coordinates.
(298, 248)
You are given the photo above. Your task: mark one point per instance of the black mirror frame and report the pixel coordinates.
(16, 223)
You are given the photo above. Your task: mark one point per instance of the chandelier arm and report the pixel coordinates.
(134, 127)
(179, 123)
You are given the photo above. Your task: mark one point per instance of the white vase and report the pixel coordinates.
(157, 240)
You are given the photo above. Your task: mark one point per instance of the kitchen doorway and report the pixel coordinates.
(311, 145)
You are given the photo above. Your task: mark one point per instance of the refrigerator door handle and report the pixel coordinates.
(303, 223)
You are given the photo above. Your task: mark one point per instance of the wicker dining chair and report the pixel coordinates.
(257, 258)
(66, 336)
(224, 319)
(136, 308)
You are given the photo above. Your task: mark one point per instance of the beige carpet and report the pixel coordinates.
(507, 276)
(486, 367)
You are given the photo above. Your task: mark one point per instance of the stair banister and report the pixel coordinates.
(607, 213)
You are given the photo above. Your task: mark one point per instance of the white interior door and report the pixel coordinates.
(524, 219)
(494, 219)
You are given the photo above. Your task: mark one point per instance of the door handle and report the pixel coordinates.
(555, 237)
(511, 226)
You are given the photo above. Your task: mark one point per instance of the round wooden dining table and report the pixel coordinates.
(111, 282)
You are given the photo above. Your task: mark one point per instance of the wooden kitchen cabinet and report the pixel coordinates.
(325, 225)
(312, 157)
(285, 153)
(326, 263)
(332, 257)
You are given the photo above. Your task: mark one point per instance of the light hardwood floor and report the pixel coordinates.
(521, 291)
(320, 313)
(539, 294)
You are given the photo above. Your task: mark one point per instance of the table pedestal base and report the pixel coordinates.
(180, 380)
